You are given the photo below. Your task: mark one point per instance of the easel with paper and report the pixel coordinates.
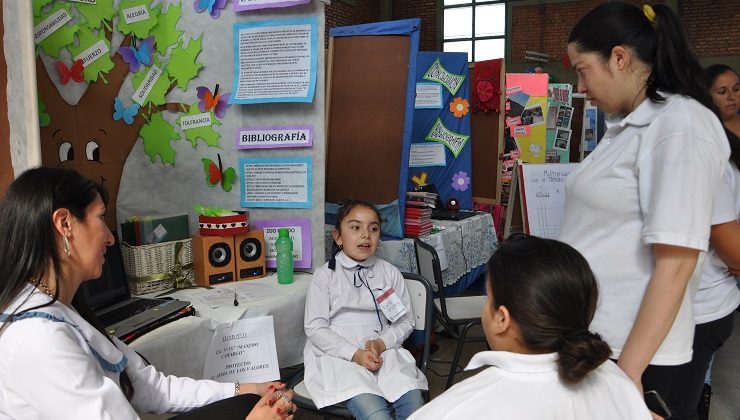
(538, 191)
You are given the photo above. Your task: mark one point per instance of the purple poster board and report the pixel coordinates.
(298, 227)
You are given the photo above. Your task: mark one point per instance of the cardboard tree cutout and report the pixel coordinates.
(79, 129)
(85, 137)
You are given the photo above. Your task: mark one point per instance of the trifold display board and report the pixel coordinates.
(183, 103)
(440, 146)
(371, 101)
(538, 191)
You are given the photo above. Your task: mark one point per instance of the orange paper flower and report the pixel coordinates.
(459, 107)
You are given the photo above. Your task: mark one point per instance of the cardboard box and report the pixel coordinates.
(224, 225)
(146, 230)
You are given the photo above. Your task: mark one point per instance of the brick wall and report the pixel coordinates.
(426, 10)
(339, 13)
(713, 26)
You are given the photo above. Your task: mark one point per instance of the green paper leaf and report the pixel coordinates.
(165, 33)
(160, 88)
(102, 65)
(157, 135)
(182, 62)
(62, 37)
(38, 5)
(207, 133)
(98, 14)
(44, 118)
(141, 28)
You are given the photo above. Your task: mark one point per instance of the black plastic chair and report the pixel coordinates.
(421, 302)
(456, 314)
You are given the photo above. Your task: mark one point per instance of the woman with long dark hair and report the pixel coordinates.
(639, 207)
(54, 363)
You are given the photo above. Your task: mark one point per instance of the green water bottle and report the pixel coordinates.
(284, 258)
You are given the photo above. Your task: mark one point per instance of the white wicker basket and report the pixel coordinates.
(147, 260)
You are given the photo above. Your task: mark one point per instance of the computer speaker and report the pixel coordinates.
(213, 257)
(250, 255)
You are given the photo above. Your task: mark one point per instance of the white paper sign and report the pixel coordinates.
(146, 86)
(428, 95)
(135, 14)
(50, 25)
(243, 351)
(271, 234)
(422, 154)
(91, 54)
(196, 121)
(85, 1)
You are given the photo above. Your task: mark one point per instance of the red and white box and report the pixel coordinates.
(224, 225)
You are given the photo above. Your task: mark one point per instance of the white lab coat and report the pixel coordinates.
(48, 370)
(526, 386)
(340, 318)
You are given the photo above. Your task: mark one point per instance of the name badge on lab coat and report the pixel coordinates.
(391, 305)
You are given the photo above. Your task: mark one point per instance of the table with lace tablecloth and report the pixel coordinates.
(464, 247)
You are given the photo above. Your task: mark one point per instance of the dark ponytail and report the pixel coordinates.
(661, 43)
(551, 293)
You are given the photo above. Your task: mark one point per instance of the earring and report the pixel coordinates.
(65, 242)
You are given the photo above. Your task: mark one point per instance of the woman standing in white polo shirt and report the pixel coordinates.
(639, 207)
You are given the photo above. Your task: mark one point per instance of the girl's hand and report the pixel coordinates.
(274, 405)
(368, 360)
(376, 346)
(263, 387)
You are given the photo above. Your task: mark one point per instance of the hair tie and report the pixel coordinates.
(649, 13)
(578, 335)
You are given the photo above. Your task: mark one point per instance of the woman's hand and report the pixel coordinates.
(367, 359)
(274, 405)
(261, 388)
(376, 346)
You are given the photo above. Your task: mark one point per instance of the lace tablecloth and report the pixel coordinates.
(466, 243)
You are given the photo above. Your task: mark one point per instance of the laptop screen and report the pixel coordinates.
(111, 287)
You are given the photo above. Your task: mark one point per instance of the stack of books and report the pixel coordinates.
(418, 216)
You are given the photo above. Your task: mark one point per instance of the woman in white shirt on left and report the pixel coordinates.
(54, 363)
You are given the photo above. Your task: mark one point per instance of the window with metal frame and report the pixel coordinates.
(476, 27)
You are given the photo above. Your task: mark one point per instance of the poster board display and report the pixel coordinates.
(538, 191)
(371, 100)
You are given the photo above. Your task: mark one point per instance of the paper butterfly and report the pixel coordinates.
(74, 73)
(214, 174)
(127, 113)
(135, 57)
(213, 6)
(219, 103)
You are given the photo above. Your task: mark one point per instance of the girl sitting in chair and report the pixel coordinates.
(358, 313)
(545, 363)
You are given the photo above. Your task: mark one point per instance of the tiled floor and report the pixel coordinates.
(726, 381)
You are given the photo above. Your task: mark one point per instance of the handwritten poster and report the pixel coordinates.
(299, 231)
(544, 197)
(243, 351)
(275, 61)
(280, 182)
